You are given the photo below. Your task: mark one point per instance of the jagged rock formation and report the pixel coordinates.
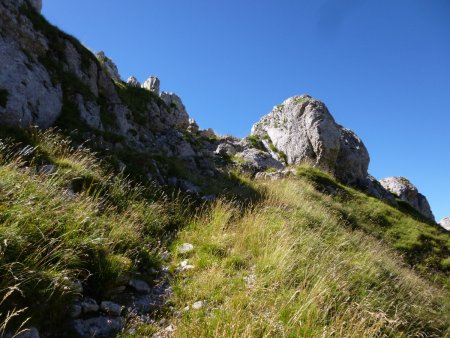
(133, 82)
(193, 126)
(445, 223)
(109, 66)
(303, 130)
(152, 84)
(49, 79)
(179, 116)
(407, 192)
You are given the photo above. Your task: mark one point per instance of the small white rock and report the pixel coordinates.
(197, 305)
(185, 248)
(184, 266)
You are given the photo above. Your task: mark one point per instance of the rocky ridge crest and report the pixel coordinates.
(50, 79)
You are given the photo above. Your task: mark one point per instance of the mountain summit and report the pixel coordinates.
(120, 216)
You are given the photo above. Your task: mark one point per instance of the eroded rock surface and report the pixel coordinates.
(109, 66)
(407, 192)
(27, 92)
(152, 84)
(178, 115)
(445, 223)
(133, 82)
(304, 131)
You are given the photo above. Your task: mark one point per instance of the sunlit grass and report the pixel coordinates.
(292, 266)
(78, 222)
(307, 257)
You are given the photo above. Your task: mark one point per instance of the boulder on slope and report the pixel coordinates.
(303, 129)
(407, 192)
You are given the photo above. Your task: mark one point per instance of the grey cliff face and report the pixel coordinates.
(28, 94)
(46, 76)
(304, 130)
(445, 223)
(178, 116)
(152, 84)
(407, 192)
(109, 66)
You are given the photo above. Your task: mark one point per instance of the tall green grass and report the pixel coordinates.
(76, 223)
(303, 257)
(293, 265)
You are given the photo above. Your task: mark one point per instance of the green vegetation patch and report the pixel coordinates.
(300, 100)
(424, 245)
(291, 266)
(78, 223)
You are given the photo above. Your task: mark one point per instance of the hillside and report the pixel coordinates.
(307, 257)
(119, 216)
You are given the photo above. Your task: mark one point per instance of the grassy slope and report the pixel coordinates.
(301, 264)
(297, 262)
(78, 223)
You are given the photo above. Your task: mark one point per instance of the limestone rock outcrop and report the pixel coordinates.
(407, 192)
(133, 82)
(27, 92)
(178, 115)
(445, 223)
(303, 130)
(109, 66)
(254, 160)
(152, 84)
(193, 126)
(48, 78)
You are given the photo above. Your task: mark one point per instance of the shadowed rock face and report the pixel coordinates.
(445, 223)
(304, 130)
(407, 192)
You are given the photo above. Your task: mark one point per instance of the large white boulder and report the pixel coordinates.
(302, 129)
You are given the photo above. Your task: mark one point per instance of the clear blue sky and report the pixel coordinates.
(382, 67)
